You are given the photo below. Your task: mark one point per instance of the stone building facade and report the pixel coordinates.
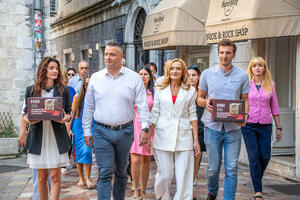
(17, 50)
(81, 30)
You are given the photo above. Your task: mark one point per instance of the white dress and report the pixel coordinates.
(49, 157)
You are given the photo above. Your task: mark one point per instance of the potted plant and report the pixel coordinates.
(8, 140)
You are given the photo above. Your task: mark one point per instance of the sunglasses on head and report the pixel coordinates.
(71, 74)
(193, 67)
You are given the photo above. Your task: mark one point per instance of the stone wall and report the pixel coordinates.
(17, 53)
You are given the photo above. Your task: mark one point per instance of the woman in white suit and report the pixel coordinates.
(175, 142)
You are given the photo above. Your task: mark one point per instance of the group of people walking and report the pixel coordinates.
(118, 112)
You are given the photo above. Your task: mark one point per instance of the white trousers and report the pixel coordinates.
(183, 161)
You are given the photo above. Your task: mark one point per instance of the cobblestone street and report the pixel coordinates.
(16, 183)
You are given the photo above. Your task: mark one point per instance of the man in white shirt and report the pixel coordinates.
(110, 99)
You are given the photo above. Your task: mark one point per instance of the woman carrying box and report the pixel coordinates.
(48, 142)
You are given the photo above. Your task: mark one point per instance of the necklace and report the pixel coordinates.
(49, 88)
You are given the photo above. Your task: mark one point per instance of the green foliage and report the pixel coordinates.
(9, 131)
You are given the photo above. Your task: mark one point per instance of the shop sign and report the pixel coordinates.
(158, 42)
(227, 34)
(158, 19)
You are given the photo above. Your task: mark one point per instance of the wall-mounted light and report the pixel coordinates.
(90, 53)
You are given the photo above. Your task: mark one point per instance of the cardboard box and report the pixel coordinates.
(44, 108)
(228, 110)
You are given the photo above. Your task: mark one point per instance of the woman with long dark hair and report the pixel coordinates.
(194, 76)
(48, 142)
(140, 159)
(82, 151)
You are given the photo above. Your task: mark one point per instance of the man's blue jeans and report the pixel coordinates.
(215, 141)
(35, 193)
(112, 151)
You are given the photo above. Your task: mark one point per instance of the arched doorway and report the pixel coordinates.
(141, 56)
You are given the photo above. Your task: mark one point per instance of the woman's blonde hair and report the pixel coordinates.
(267, 81)
(184, 79)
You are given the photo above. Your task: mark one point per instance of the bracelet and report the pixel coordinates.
(279, 128)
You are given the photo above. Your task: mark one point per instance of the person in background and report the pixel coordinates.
(223, 81)
(194, 76)
(175, 142)
(160, 79)
(71, 72)
(83, 152)
(140, 159)
(153, 68)
(66, 76)
(48, 142)
(83, 70)
(258, 130)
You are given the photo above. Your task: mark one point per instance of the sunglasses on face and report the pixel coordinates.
(71, 74)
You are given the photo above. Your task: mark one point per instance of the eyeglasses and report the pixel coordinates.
(71, 74)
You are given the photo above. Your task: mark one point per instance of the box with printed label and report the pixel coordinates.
(228, 110)
(44, 108)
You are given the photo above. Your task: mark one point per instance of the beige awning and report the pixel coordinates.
(252, 19)
(176, 23)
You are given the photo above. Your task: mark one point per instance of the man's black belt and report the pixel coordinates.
(116, 128)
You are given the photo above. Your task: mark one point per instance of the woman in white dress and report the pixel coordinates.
(48, 142)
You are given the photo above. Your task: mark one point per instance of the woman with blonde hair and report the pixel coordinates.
(258, 130)
(175, 142)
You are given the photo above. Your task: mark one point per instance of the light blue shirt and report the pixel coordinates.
(75, 82)
(220, 85)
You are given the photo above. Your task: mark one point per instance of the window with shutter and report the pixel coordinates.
(53, 7)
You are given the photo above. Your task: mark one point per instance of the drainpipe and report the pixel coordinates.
(38, 32)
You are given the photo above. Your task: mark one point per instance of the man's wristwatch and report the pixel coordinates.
(279, 129)
(146, 130)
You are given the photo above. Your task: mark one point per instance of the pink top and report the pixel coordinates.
(262, 105)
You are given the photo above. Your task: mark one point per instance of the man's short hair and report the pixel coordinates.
(115, 44)
(227, 42)
(152, 64)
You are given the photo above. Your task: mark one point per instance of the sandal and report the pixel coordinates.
(258, 197)
(136, 193)
(80, 184)
(143, 195)
(89, 185)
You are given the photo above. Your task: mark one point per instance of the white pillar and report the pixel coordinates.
(297, 110)
(130, 56)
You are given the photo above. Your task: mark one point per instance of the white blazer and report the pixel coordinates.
(173, 130)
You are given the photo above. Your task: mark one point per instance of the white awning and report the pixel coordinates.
(175, 23)
(252, 19)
